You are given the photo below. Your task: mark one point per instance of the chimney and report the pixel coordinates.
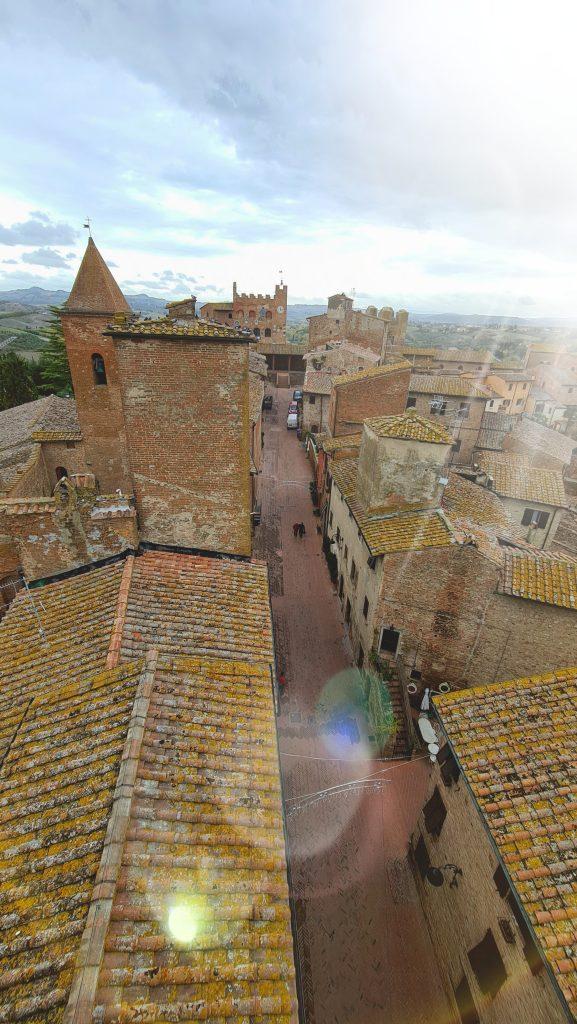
(183, 309)
(401, 463)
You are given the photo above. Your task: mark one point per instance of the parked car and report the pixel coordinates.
(297, 395)
(292, 421)
(267, 402)
(293, 407)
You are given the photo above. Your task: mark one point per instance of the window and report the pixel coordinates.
(230, 316)
(366, 608)
(534, 518)
(489, 969)
(312, 399)
(267, 332)
(530, 950)
(519, 401)
(465, 1005)
(98, 369)
(338, 535)
(61, 472)
(389, 640)
(449, 767)
(251, 314)
(268, 315)
(330, 518)
(361, 658)
(421, 857)
(456, 445)
(353, 571)
(341, 585)
(411, 402)
(346, 552)
(464, 409)
(70, 444)
(509, 387)
(348, 611)
(438, 406)
(435, 813)
(525, 386)
(256, 332)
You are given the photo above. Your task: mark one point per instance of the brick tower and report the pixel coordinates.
(164, 410)
(94, 301)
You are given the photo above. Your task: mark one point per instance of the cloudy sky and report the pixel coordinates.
(423, 153)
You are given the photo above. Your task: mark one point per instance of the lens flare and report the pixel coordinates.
(183, 922)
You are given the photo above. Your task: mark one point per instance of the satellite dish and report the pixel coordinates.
(434, 876)
(411, 688)
(444, 688)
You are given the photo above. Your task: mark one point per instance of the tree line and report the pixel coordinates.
(22, 381)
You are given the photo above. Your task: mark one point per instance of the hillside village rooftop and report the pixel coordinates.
(431, 384)
(514, 477)
(516, 744)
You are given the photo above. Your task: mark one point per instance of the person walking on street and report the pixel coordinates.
(296, 529)
(301, 529)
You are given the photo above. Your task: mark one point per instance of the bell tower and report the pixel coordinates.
(93, 303)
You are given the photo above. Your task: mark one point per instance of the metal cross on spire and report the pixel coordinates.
(87, 225)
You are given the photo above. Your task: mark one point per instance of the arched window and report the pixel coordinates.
(251, 314)
(268, 314)
(98, 368)
(61, 472)
(257, 332)
(267, 332)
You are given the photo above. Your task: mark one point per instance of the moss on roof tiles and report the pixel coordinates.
(409, 427)
(516, 743)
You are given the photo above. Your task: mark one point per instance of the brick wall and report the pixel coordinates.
(68, 454)
(51, 536)
(266, 313)
(380, 335)
(99, 407)
(33, 479)
(353, 403)
(186, 408)
(454, 626)
(9, 571)
(459, 916)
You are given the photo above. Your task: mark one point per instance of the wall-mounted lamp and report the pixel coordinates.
(436, 877)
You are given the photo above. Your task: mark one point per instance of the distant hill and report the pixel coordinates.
(300, 311)
(39, 297)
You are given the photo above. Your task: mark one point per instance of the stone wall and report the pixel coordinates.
(33, 479)
(382, 395)
(52, 535)
(459, 916)
(396, 472)
(454, 626)
(68, 454)
(186, 409)
(382, 334)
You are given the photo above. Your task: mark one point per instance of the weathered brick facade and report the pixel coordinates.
(45, 536)
(164, 412)
(264, 315)
(185, 405)
(382, 332)
(378, 392)
(459, 915)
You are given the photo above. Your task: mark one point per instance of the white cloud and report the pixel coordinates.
(422, 152)
(45, 258)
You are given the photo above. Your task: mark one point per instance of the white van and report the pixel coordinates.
(292, 421)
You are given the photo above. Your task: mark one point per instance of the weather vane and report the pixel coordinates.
(87, 225)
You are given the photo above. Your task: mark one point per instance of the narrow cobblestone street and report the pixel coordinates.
(364, 951)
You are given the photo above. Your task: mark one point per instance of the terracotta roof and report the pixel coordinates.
(134, 326)
(255, 396)
(335, 444)
(539, 577)
(517, 745)
(387, 532)
(45, 414)
(538, 438)
(318, 382)
(453, 355)
(431, 384)
(95, 290)
(409, 427)
(514, 478)
(494, 427)
(466, 501)
(143, 795)
(372, 371)
(189, 604)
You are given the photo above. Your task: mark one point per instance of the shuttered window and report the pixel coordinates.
(435, 813)
(487, 963)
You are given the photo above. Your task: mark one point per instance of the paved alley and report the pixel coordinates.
(363, 948)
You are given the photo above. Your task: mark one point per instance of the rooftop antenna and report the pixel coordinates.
(281, 280)
(87, 225)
